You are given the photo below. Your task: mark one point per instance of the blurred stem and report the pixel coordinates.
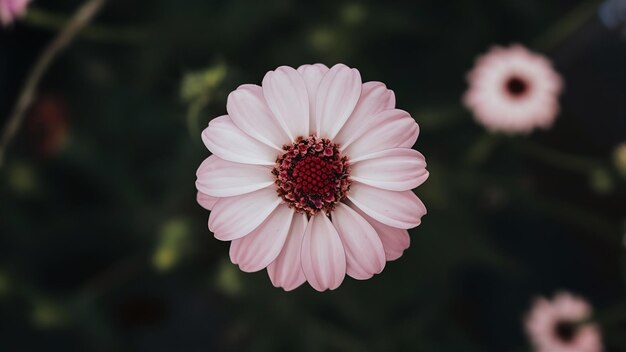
(593, 224)
(480, 151)
(438, 118)
(80, 19)
(193, 115)
(574, 215)
(562, 30)
(613, 315)
(578, 164)
(54, 22)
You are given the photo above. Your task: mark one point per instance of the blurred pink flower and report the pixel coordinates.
(513, 90)
(311, 176)
(11, 9)
(562, 325)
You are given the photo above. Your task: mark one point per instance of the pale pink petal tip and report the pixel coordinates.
(10, 10)
(323, 255)
(513, 90)
(206, 201)
(311, 176)
(258, 249)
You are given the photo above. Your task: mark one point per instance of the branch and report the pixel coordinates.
(81, 18)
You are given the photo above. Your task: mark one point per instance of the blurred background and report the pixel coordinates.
(104, 248)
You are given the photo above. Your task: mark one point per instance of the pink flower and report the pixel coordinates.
(513, 90)
(311, 176)
(562, 325)
(11, 9)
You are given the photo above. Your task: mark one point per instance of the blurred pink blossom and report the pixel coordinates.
(513, 90)
(311, 176)
(562, 325)
(11, 9)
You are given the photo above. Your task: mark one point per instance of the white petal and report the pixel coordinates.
(206, 201)
(398, 169)
(257, 250)
(312, 75)
(286, 270)
(388, 129)
(375, 97)
(287, 97)
(337, 96)
(394, 240)
(227, 141)
(323, 256)
(365, 255)
(398, 209)
(221, 178)
(247, 108)
(235, 217)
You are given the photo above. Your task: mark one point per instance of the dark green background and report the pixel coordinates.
(86, 228)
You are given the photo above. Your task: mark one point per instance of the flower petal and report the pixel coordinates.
(235, 217)
(286, 270)
(388, 129)
(375, 97)
(336, 97)
(323, 256)
(287, 97)
(12, 9)
(312, 75)
(227, 141)
(398, 209)
(398, 169)
(247, 108)
(206, 201)
(365, 255)
(394, 240)
(221, 178)
(257, 250)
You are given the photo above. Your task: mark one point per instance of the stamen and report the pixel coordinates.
(312, 175)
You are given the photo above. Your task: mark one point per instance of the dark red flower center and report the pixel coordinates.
(312, 175)
(565, 331)
(517, 86)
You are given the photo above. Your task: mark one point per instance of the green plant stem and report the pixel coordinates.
(482, 148)
(613, 315)
(80, 19)
(54, 22)
(569, 162)
(563, 29)
(566, 212)
(439, 118)
(193, 115)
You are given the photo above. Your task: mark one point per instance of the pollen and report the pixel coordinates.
(312, 175)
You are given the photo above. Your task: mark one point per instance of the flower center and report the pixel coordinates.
(516, 86)
(565, 331)
(312, 175)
